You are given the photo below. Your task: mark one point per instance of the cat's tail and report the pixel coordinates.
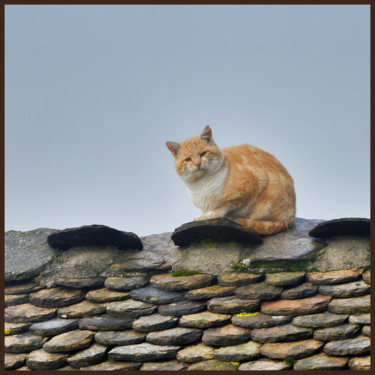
(265, 227)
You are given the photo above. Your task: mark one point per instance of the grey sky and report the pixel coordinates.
(93, 92)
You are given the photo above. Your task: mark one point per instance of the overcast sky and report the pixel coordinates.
(93, 92)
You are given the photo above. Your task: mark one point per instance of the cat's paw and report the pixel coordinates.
(207, 215)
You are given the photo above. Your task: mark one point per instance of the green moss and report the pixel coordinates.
(208, 243)
(289, 361)
(185, 273)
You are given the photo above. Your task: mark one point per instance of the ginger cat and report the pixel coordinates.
(242, 183)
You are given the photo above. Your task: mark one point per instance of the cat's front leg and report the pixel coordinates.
(208, 215)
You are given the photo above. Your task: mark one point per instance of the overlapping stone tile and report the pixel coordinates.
(12, 300)
(23, 343)
(69, 341)
(126, 283)
(42, 360)
(24, 288)
(182, 308)
(81, 310)
(27, 313)
(156, 296)
(232, 305)
(80, 283)
(196, 353)
(285, 279)
(348, 290)
(360, 318)
(301, 291)
(14, 328)
(264, 364)
(88, 357)
(286, 332)
(293, 350)
(106, 295)
(356, 346)
(360, 363)
(238, 353)
(321, 362)
(14, 361)
(213, 365)
(53, 327)
(117, 338)
(341, 332)
(174, 336)
(238, 279)
(170, 283)
(130, 308)
(111, 365)
(366, 276)
(225, 336)
(164, 366)
(106, 323)
(214, 291)
(356, 305)
(154, 322)
(259, 320)
(334, 277)
(262, 291)
(204, 319)
(366, 330)
(322, 320)
(56, 297)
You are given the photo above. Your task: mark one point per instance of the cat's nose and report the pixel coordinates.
(197, 164)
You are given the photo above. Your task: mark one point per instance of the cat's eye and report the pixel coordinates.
(188, 159)
(203, 153)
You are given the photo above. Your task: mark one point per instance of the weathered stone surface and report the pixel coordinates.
(174, 336)
(34, 244)
(360, 319)
(204, 319)
(323, 320)
(360, 363)
(42, 360)
(117, 338)
(214, 291)
(260, 291)
(321, 361)
(259, 320)
(106, 323)
(28, 313)
(24, 288)
(294, 350)
(154, 322)
(143, 352)
(12, 300)
(69, 341)
(340, 227)
(356, 346)
(14, 361)
(333, 277)
(150, 294)
(286, 332)
(366, 330)
(53, 327)
(88, 357)
(285, 279)
(56, 297)
(126, 283)
(79, 283)
(213, 365)
(182, 308)
(130, 308)
(196, 353)
(170, 283)
(81, 310)
(23, 343)
(223, 230)
(238, 353)
(164, 366)
(342, 332)
(296, 307)
(350, 305)
(225, 336)
(113, 366)
(14, 328)
(105, 295)
(94, 235)
(301, 291)
(142, 261)
(353, 289)
(367, 277)
(264, 365)
(232, 305)
(238, 279)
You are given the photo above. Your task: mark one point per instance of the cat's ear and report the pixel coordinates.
(207, 134)
(173, 147)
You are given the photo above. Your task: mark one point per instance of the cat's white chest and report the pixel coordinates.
(207, 191)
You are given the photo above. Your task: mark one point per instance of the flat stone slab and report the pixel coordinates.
(130, 308)
(81, 310)
(94, 235)
(14, 328)
(126, 283)
(213, 365)
(170, 283)
(33, 244)
(285, 279)
(174, 336)
(323, 320)
(360, 319)
(294, 350)
(105, 295)
(12, 300)
(232, 305)
(56, 297)
(286, 332)
(28, 313)
(164, 366)
(88, 357)
(14, 361)
(367, 277)
(222, 230)
(225, 336)
(143, 352)
(301, 291)
(262, 291)
(296, 307)
(27, 287)
(54, 327)
(214, 291)
(238, 353)
(117, 338)
(348, 290)
(69, 341)
(342, 227)
(106, 323)
(334, 277)
(196, 353)
(182, 308)
(356, 346)
(259, 320)
(355, 305)
(360, 363)
(154, 322)
(204, 320)
(42, 360)
(23, 343)
(342, 332)
(113, 366)
(80, 283)
(150, 294)
(321, 361)
(238, 279)
(264, 365)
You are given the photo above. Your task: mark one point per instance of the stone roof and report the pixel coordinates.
(288, 301)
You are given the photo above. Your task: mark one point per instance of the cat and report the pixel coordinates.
(242, 183)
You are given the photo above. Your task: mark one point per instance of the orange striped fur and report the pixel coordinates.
(242, 183)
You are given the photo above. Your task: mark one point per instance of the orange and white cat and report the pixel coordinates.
(242, 183)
